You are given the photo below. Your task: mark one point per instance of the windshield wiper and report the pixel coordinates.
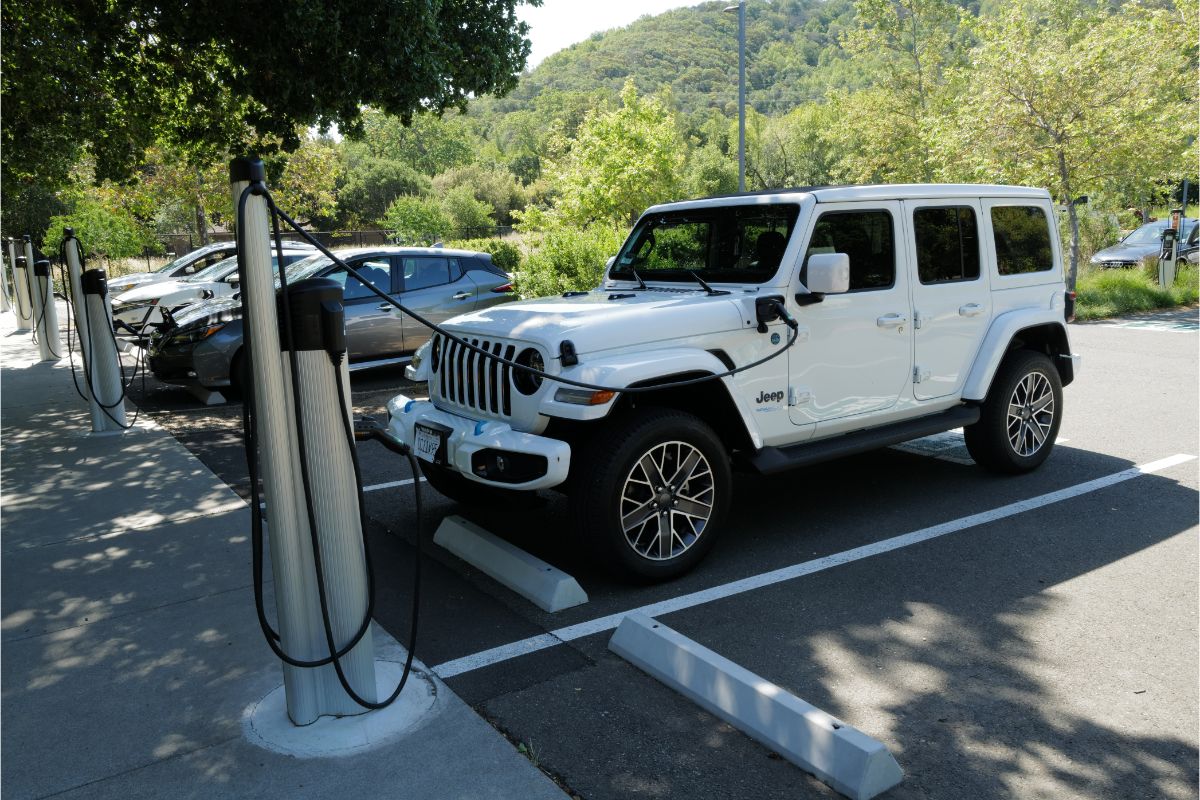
(711, 291)
(638, 278)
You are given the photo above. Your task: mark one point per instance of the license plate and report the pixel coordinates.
(430, 444)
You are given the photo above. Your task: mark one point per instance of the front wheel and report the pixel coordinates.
(1019, 420)
(650, 495)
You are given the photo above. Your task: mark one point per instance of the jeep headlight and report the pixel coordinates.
(528, 383)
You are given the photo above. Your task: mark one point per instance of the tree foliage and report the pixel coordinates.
(620, 161)
(370, 184)
(1078, 98)
(210, 76)
(417, 220)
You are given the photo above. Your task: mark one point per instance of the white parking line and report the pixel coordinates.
(569, 633)
(375, 487)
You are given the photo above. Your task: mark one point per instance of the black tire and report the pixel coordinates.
(606, 484)
(475, 495)
(1009, 444)
(236, 390)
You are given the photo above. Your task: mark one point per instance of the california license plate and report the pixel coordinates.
(430, 444)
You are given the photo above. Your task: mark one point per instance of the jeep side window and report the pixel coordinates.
(947, 244)
(866, 237)
(1022, 240)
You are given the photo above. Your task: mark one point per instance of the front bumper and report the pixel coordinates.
(469, 440)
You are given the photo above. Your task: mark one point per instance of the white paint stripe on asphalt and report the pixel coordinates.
(569, 633)
(375, 487)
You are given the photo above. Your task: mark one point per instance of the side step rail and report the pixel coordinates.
(770, 460)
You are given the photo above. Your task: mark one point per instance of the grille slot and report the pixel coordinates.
(473, 381)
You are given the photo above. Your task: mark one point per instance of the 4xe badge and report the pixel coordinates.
(769, 397)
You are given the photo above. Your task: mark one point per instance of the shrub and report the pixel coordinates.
(505, 255)
(1112, 292)
(417, 220)
(568, 259)
(468, 216)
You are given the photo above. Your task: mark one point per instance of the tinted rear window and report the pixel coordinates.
(1022, 240)
(947, 244)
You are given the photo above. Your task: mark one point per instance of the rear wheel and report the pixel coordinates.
(1019, 420)
(650, 494)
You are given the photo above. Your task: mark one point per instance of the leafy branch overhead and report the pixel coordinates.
(208, 76)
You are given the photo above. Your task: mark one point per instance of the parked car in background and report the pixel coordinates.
(141, 307)
(186, 265)
(203, 345)
(1143, 242)
(1189, 248)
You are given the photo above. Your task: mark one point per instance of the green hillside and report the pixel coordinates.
(792, 48)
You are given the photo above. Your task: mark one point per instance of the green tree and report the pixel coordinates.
(106, 229)
(417, 220)
(1077, 98)
(306, 186)
(370, 185)
(621, 161)
(497, 188)
(429, 144)
(910, 48)
(468, 216)
(567, 258)
(212, 76)
(794, 149)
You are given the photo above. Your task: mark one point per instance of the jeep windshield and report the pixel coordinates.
(725, 244)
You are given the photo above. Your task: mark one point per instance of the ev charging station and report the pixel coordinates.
(49, 339)
(308, 477)
(6, 278)
(101, 358)
(22, 286)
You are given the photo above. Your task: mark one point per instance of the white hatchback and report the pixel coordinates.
(139, 310)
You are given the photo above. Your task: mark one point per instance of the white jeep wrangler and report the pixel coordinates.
(909, 310)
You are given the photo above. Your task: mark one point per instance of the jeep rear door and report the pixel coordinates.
(951, 299)
(857, 359)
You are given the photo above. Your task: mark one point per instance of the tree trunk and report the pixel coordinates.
(1072, 217)
(201, 217)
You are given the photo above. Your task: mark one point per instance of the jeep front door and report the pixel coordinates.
(857, 357)
(951, 301)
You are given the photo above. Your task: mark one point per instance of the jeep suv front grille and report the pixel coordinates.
(470, 380)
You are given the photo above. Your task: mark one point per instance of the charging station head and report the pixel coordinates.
(22, 262)
(318, 320)
(247, 168)
(68, 233)
(94, 281)
(41, 268)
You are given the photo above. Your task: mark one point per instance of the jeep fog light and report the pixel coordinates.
(584, 397)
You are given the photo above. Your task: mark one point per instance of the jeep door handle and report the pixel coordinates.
(461, 296)
(891, 320)
(970, 310)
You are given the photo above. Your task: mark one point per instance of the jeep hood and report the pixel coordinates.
(594, 322)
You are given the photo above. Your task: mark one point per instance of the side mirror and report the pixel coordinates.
(828, 273)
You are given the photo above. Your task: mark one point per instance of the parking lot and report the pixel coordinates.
(1036, 637)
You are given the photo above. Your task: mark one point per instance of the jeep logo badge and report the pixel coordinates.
(769, 397)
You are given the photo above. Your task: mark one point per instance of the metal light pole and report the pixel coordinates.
(740, 8)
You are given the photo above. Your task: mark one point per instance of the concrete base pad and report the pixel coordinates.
(267, 725)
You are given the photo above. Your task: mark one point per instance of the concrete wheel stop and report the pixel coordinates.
(265, 723)
(846, 759)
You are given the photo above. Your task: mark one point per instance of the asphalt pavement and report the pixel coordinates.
(1048, 649)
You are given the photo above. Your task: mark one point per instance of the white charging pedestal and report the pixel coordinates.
(101, 355)
(49, 338)
(22, 288)
(310, 692)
